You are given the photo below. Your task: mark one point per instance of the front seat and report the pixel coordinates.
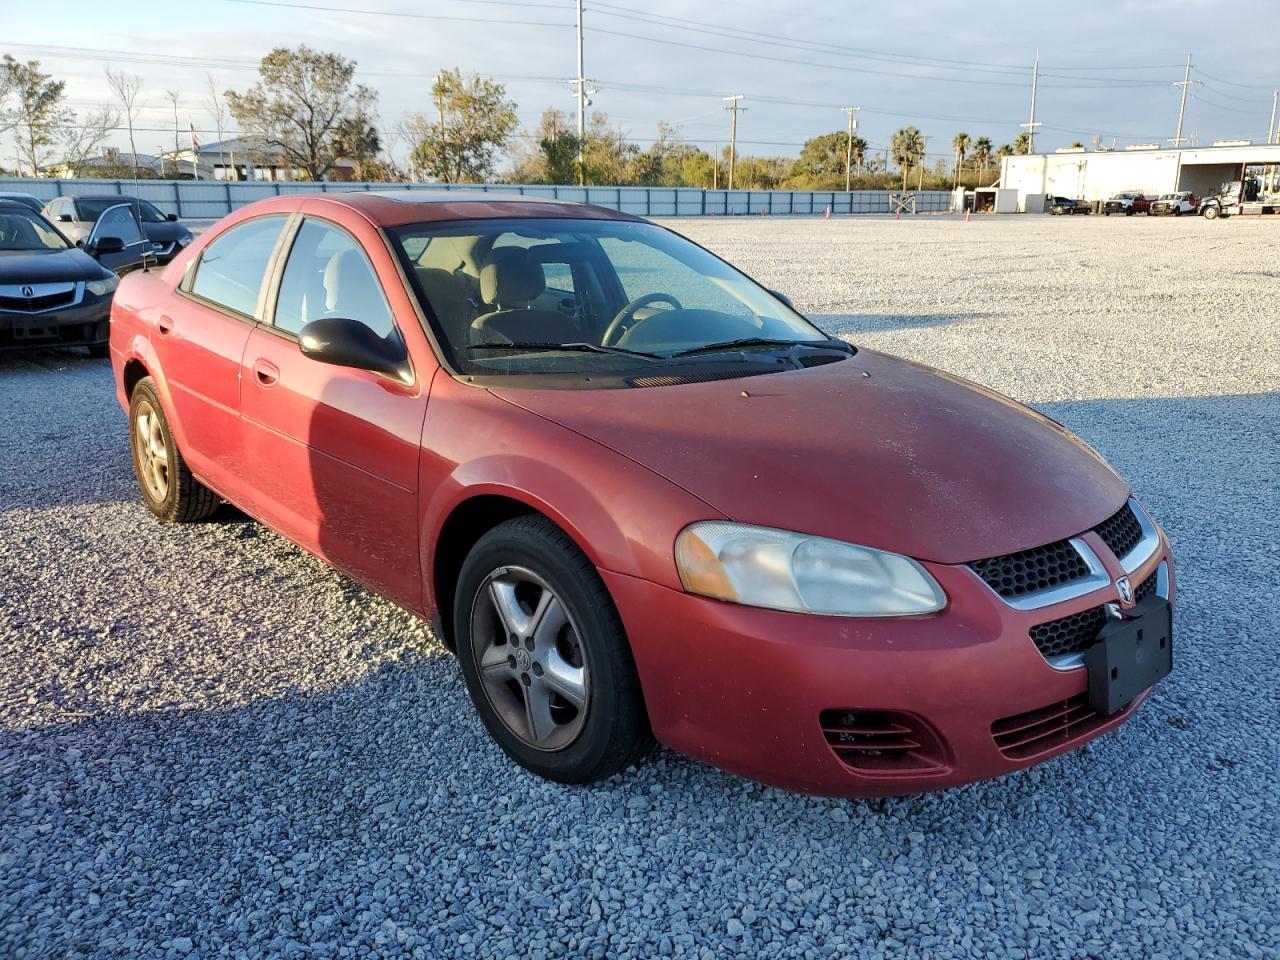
(509, 283)
(351, 291)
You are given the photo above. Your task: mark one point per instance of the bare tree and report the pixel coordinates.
(217, 108)
(84, 137)
(175, 100)
(126, 87)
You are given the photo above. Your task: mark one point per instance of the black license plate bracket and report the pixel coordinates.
(1130, 656)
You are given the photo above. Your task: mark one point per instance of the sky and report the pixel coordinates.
(1107, 67)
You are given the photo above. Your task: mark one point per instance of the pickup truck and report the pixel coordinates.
(1175, 204)
(1127, 203)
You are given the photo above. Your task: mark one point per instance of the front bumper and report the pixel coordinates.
(84, 324)
(765, 694)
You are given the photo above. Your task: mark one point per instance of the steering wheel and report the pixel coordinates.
(623, 321)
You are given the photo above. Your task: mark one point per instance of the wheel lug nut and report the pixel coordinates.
(524, 678)
(528, 643)
(537, 669)
(511, 662)
(513, 640)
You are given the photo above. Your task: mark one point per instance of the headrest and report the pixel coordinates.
(511, 278)
(348, 284)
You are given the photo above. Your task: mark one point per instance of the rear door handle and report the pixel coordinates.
(266, 372)
(164, 325)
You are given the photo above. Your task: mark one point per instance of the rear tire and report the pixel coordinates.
(168, 487)
(545, 657)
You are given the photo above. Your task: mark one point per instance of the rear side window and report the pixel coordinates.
(328, 275)
(232, 267)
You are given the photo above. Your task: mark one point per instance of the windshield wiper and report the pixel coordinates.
(573, 347)
(725, 345)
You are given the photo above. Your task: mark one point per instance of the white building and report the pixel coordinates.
(1151, 170)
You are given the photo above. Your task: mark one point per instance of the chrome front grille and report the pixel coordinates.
(39, 297)
(1065, 569)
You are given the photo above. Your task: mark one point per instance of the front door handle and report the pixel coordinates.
(266, 372)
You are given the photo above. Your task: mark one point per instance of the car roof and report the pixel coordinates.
(399, 207)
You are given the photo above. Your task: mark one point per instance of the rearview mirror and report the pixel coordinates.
(779, 295)
(349, 343)
(65, 218)
(105, 245)
(172, 218)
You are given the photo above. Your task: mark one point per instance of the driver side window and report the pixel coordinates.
(644, 270)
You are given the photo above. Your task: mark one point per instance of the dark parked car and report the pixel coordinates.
(52, 293)
(75, 217)
(640, 494)
(26, 199)
(1065, 205)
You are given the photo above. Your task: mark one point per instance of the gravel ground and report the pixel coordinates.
(213, 745)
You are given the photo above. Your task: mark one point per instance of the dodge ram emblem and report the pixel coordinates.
(1125, 589)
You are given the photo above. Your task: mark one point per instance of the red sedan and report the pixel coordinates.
(640, 495)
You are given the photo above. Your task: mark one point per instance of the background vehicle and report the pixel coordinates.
(1175, 204)
(622, 499)
(51, 293)
(1066, 205)
(25, 199)
(75, 217)
(1244, 195)
(1127, 203)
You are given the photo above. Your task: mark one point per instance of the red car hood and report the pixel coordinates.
(873, 450)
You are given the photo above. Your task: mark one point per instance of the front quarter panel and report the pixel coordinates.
(624, 517)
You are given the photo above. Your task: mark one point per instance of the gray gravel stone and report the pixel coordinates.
(213, 745)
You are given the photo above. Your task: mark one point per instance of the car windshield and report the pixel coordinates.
(22, 230)
(91, 208)
(564, 296)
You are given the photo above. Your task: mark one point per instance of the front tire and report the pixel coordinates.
(545, 657)
(1210, 213)
(168, 487)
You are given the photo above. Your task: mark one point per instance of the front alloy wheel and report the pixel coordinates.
(168, 487)
(544, 654)
(531, 659)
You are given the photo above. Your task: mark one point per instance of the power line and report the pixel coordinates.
(412, 16)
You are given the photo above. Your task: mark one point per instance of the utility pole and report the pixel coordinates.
(1182, 105)
(581, 83)
(848, 150)
(1271, 127)
(1031, 124)
(733, 108)
(924, 159)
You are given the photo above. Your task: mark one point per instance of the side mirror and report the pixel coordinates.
(65, 218)
(349, 343)
(172, 218)
(779, 295)
(104, 245)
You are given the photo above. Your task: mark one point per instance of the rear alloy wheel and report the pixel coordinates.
(545, 657)
(168, 488)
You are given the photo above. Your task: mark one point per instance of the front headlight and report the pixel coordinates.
(763, 567)
(102, 287)
(185, 239)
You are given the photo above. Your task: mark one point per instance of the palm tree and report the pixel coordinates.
(907, 147)
(1004, 151)
(857, 151)
(960, 144)
(1022, 144)
(982, 152)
